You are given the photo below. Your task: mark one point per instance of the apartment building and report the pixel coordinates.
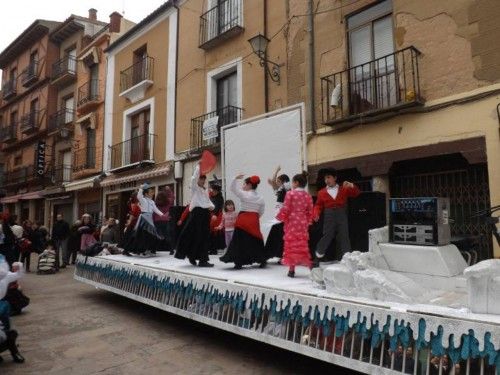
(27, 101)
(140, 107)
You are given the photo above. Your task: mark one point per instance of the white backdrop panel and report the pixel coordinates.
(257, 147)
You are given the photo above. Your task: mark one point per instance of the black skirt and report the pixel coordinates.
(162, 227)
(244, 249)
(274, 242)
(195, 236)
(144, 236)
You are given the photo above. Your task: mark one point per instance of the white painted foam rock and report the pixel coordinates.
(483, 286)
(338, 278)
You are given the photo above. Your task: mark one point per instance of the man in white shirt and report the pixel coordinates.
(195, 236)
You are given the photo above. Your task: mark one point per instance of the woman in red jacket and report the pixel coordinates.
(332, 201)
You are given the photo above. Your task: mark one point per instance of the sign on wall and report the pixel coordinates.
(210, 130)
(40, 158)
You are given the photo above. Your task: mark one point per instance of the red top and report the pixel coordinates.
(325, 200)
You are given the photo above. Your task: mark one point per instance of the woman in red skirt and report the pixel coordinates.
(247, 245)
(297, 215)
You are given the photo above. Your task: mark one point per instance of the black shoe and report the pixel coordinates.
(205, 264)
(17, 357)
(172, 252)
(263, 264)
(193, 262)
(126, 253)
(238, 266)
(291, 274)
(315, 263)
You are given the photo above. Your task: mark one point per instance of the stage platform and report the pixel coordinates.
(296, 315)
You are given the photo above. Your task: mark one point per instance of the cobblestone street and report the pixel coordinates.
(70, 328)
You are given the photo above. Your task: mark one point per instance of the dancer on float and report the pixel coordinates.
(332, 201)
(145, 237)
(274, 242)
(216, 235)
(297, 214)
(247, 244)
(194, 239)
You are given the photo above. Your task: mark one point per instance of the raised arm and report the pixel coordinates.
(140, 198)
(236, 189)
(272, 180)
(195, 177)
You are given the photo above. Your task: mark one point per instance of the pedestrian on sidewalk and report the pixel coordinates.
(296, 215)
(247, 245)
(60, 235)
(194, 239)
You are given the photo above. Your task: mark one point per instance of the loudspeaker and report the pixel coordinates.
(365, 212)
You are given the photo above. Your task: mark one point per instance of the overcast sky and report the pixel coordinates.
(17, 15)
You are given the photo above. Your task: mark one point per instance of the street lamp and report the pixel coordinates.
(259, 46)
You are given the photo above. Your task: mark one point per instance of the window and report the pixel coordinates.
(66, 166)
(18, 160)
(71, 56)
(34, 106)
(140, 64)
(68, 106)
(13, 118)
(139, 134)
(371, 45)
(90, 157)
(94, 82)
(227, 98)
(33, 58)
(13, 74)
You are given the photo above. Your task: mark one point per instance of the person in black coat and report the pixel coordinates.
(60, 235)
(8, 244)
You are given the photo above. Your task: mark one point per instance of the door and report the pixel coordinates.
(372, 83)
(227, 99)
(69, 106)
(71, 55)
(90, 157)
(34, 107)
(139, 137)
(140, 70)
(66, 166)
(94, 82)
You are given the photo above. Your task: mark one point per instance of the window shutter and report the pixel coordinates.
(383, 43)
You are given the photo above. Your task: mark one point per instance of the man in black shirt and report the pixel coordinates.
(60, 235)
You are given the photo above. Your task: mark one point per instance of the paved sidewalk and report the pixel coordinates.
(71, 328)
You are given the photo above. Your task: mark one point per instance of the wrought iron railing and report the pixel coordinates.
(133, 150)
(383, 84)
(19, 175)
(30, 122)
(205, 133)
(66, 65)
(141, 71)
(30, 73)
(84, 158)
(61, 118)
(9, 133)
(9, 88)
(61, 173)
(221, 20)
(88, 92)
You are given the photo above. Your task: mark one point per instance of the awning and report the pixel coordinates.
(85, 183)
(32, 195)
(11, 199)
(156, 171)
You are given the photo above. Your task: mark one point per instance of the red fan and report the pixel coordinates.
(208, 162)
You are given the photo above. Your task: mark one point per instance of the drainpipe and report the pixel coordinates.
(266, 79)
(311, 66)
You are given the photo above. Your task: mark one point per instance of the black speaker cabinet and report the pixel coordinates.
(366, 211)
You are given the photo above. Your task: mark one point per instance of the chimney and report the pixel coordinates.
(115, 19)
(93, 14)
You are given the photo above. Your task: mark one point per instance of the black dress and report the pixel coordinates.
(194, 238)
(274, 243)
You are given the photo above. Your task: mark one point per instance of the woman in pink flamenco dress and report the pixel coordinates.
(297, 215)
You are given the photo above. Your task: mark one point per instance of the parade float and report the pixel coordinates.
(413, 303)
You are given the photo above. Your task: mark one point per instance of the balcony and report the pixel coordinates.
(372, 91)
(83, 159)
(30, 74)
(205, 129)
(61, 174)
(134, 151)
(8, 134)
(64, 71)
(19, 176)
(60, 120)
(9, 89)
(88, 96)
(220, 23)
(135, 80)
(30, 122)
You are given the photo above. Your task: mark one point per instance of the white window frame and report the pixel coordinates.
(235, 65)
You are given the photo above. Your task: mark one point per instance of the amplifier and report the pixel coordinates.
(419, 221)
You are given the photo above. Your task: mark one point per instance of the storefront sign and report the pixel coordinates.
(40, 158)
(210, 130)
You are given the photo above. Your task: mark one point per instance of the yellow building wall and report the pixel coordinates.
(157, 48)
